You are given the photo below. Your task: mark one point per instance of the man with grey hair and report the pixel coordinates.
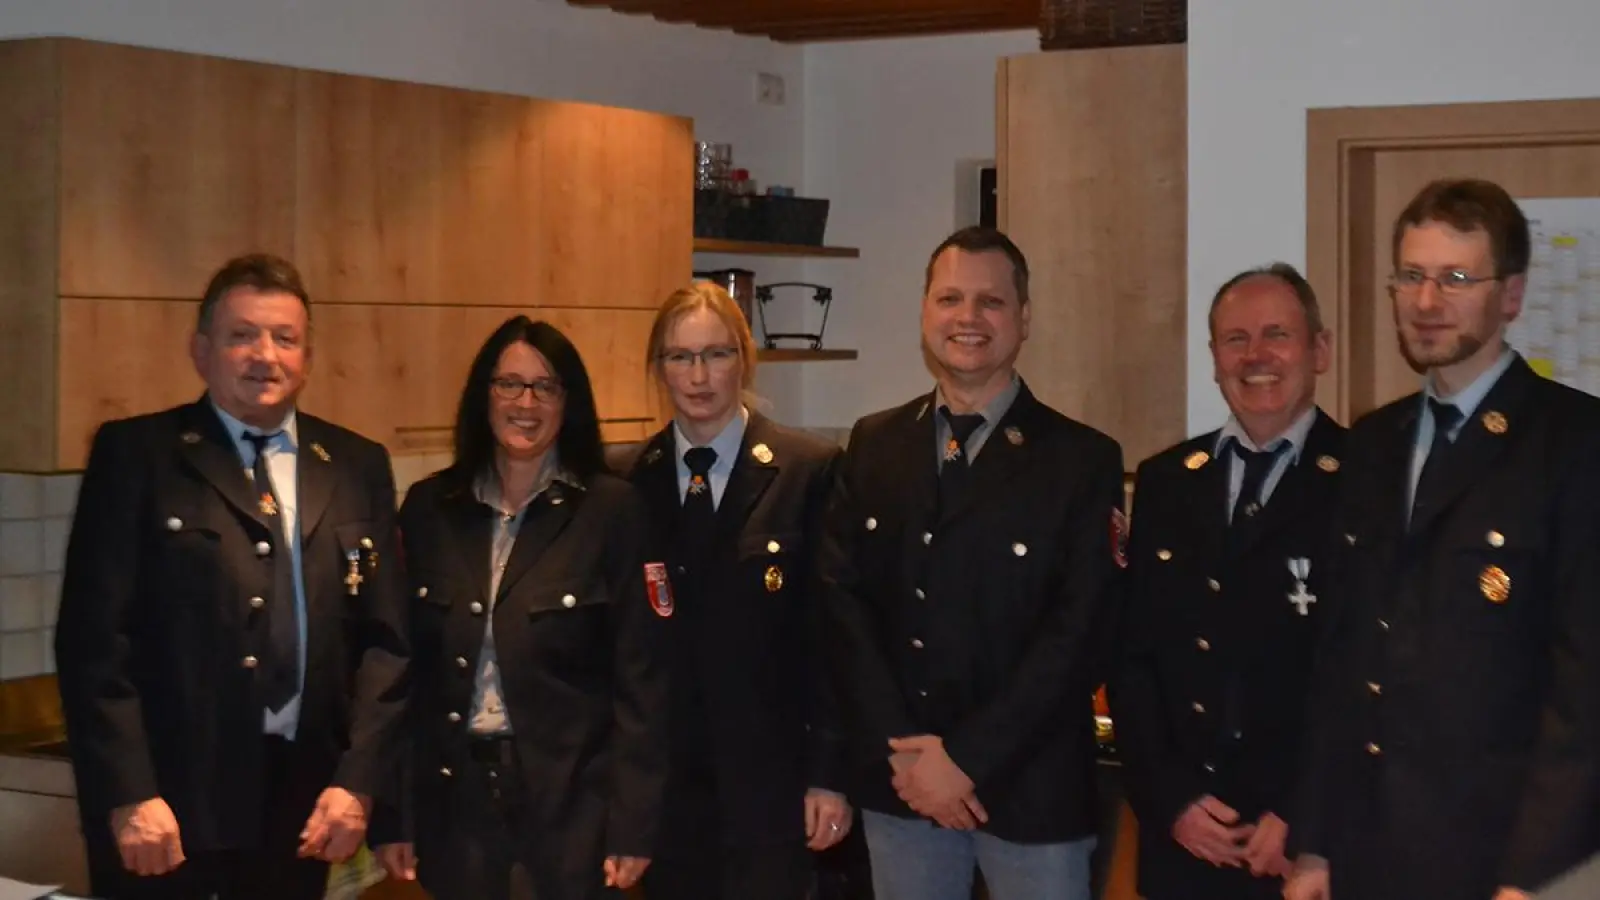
(1224, 565)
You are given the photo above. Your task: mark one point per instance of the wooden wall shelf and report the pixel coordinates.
(781, 355)
(761, 248)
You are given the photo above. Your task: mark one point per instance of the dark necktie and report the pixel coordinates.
(699, 507)
(956, 470)
(279, 677)
(1257, 465)
(1445, 418)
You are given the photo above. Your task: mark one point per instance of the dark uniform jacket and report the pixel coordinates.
(1210, 691)
(751, 706)
(582, 655)
(157, 631)
(1457, 741)
(979, 623)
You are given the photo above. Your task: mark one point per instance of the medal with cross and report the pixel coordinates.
(352, 577)
(952, 449)
(697, 484)
(1302, 599)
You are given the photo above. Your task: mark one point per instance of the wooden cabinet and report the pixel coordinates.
(420, 216)
(1092, 150)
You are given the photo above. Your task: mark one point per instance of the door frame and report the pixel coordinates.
(1341, 146)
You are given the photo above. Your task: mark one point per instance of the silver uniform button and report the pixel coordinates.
(366, 543)
(249, 662)
(1374, 749)
(174, 524)
(773, 547)
(477, 608)
(1198, 707)
(872, 524)
(916, 643)
(263, 548)
(1210, 768)
(445, 771)
(927, 537)
(257, 603)
(454, 717)
(1215, 585)
(1383, 624)
(1350, 539)
(1496, 539)
(569, 601)
(422, 592)
(1019, 549)
(461, 662)
(1203, 644)
(921, 595)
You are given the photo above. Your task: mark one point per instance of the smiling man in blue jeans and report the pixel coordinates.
(971, 549)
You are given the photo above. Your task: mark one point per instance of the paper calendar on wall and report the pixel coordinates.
(1559, 329)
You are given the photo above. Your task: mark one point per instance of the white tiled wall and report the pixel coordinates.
(35, 517)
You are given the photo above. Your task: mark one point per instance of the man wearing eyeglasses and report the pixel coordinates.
(1458, 704)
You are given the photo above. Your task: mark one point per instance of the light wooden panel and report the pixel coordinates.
(618, 194)
(30, 128)
(379, 370)
(1092, 166)
(171, 163)
(1363, 165)
(417, 194)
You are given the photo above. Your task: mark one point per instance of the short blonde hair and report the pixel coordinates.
(703, 295)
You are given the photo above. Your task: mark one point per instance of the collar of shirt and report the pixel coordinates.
(726, 443)
(1468, 398)
(992, 413)
(288, 438)
(1296, 435)
(487, 487)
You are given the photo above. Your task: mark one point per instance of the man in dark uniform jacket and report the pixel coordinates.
(1225, 563)
(1456, 724)
(231, 636)
(969, 558)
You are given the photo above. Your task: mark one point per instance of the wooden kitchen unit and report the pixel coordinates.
(420, 216)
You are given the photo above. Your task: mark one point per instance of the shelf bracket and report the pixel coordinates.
(820, 294)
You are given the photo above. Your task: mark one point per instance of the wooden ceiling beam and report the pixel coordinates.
(825, 31)
(712, 16)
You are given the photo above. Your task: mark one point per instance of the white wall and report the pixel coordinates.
(886, 124)
(1256, 66)
(541, 48)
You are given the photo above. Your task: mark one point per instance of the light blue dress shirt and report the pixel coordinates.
(489, 716)
(1233, 431)
(283, 466)
(726, 443)
(992, 413)
(1466, 400)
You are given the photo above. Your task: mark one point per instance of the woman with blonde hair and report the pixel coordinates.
(734, 500)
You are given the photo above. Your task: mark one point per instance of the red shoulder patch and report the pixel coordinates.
(1119, 537)
(659, 588)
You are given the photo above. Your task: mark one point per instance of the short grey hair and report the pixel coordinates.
(1285, 273)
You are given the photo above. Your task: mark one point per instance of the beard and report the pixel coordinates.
(1421, 359)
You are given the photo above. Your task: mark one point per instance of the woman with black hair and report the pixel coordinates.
(538, 681)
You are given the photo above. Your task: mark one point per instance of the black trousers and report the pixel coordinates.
(776, 872)
(272, 871)
(489, 852)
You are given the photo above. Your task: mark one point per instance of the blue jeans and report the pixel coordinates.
(914, 859)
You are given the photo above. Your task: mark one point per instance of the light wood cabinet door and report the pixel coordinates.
(169, 164)
(1092, 167)
(416, 194)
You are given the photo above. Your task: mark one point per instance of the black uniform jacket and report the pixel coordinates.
(1210, 692)
(157, 630)
(581, 648)
(981, 623)
(752, 705)
(1456, 746)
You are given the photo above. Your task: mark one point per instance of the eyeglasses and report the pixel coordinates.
(1451, 283)
(545, 390)
(714, 357)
